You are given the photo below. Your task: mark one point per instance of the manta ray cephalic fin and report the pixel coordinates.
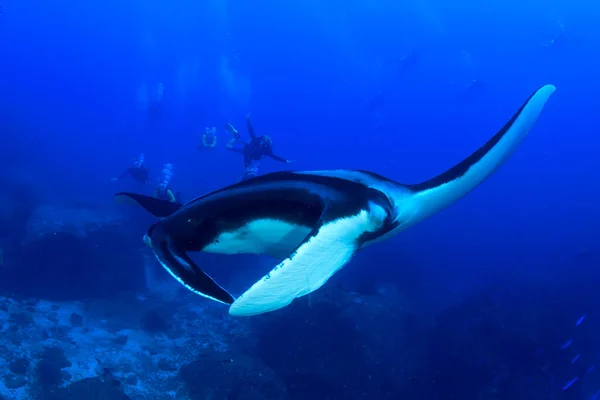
(185, 271)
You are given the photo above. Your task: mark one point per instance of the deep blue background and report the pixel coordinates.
(70, 115)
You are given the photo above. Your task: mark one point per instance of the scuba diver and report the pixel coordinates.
(137, 170)
(162, 190)
(209, 139)
(253, 151)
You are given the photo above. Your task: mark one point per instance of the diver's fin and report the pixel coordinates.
(325, 251)
(158, 208)
(445, 189)
(185, 271)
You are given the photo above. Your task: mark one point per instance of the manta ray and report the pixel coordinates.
(313, 222)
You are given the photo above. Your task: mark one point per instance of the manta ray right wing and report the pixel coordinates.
(328, 247)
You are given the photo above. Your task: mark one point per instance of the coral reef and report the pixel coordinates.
(168, 343)
(105, 354)
(88, 388)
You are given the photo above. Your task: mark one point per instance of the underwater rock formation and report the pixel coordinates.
(44, 356)
(17, 202)
(88, 388)
(49, 367)
(74, 254)
(230, 376)
(341, 346)
(78, 222)
(337, 346)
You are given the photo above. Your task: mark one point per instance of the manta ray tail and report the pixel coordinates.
(443, 190)
(158, 208)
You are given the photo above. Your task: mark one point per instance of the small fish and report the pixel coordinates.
(575, 358)
(567, 344)
(570, 383)
(595, 396)
(590, 369)
(580, 320)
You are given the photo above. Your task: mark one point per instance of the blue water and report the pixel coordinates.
(493, 298)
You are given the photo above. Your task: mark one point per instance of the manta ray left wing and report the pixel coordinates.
(328, 247)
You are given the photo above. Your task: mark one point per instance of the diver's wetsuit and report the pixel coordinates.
(139, 174)
(255, 149)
